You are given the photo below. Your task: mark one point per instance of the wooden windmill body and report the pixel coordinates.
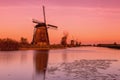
(41, 36)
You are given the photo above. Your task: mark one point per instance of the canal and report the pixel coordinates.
(83, 63)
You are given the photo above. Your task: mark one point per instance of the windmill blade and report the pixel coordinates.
(52, 26)
(44, 14)
(36, 21)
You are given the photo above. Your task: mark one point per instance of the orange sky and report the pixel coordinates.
(88, 21)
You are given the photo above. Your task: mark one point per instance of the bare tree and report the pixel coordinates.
(64, 39)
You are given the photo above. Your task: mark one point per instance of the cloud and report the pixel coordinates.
(65, 3)
(19, 2)
(86, 3)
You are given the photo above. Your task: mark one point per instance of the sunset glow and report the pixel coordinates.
(88, 21)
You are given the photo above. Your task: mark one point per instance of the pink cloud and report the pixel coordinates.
(80, 3)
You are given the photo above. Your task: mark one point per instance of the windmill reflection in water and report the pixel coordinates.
(40, 64)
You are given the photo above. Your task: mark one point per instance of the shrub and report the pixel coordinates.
(8, 45)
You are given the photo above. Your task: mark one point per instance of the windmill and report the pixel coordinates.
(40, 36)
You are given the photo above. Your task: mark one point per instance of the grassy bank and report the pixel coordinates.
(37, 47)
(11, 45)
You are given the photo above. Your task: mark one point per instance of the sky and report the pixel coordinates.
(87, 21)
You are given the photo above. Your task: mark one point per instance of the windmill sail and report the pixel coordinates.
(45, 25)
(40, 36)
(44, 14)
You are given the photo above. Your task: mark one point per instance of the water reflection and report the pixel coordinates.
(15, 65)
(83, 70)
(64, 57)
(40, 64)
(12, 56)
(87, 63)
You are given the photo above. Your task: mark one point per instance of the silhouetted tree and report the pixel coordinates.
(115, 43)
(64, 39)
(8, 44)
(23, 40)
(72, 43)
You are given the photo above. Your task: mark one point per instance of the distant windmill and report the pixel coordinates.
(40, 35)
(64, 39)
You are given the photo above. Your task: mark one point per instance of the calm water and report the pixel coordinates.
(84, 63)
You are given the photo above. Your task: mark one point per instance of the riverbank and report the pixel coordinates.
(114, 46)
(12, 45)
(47, 48)
(50, 47)
(38, 47)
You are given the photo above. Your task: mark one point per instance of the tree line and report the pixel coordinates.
(8, 44)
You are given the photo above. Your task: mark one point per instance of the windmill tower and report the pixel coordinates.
(40, 36)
